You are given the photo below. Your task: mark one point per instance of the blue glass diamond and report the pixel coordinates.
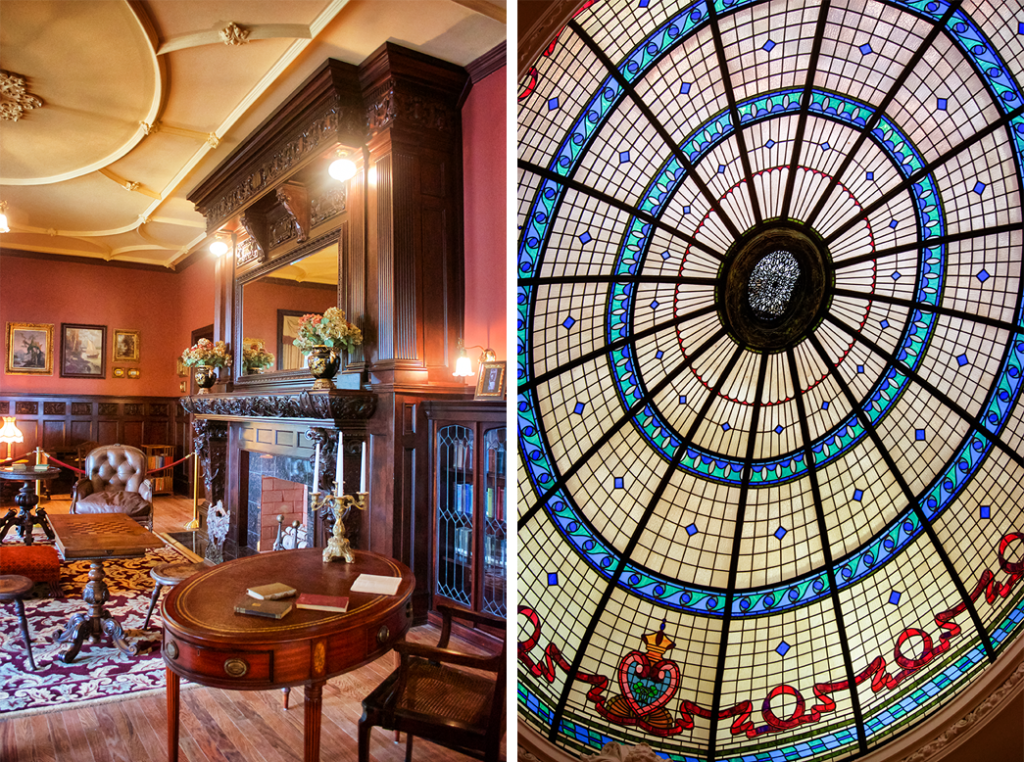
(780, 533)
(618, 482)
(940, 104)
(691, 530)
(585, 238)
(770, 143)
(865, 49)
(1020, 27)
(894, 598)
(979, 188)
(579, 408)
(962, 360)
(983, 275)
(896, 275)
(985, 512)
(782, 648)
(721, 169)
(684, 89)
(779, 429)
(858, 494)
(643, 3)
(726, 427)
(659, 354)
(860, 368)
(665, 255)
(884, 324)
(893, 224)
(869, 175)
(824, 405)
(686, 210)
(569, 322)
(825, 146)
(919, 435)
(654, 304)
(682, 399)
(552, 104)
(768, 46)
(552, 578)
(623, 157)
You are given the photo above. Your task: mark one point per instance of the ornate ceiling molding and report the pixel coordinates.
(15, 99)
(233, 34)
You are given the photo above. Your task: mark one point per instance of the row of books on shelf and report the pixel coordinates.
(494, 501)
(494, 548)
(462, 458)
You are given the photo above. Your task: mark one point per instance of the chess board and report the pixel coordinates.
(101, 535)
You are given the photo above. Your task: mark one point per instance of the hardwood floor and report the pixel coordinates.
(216, 725)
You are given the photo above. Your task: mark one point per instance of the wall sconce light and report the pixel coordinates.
(221, 245)
(342, 168)
(10, 434)
(4, 227)
(464, 366)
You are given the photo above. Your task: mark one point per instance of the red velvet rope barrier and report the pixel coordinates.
(80, 471)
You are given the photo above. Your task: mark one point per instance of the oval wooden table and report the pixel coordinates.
(206, 642)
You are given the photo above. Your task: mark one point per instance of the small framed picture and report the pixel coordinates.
(182, 369)
(29, 349)
(83, 351)
(490, 381)
(126, 345)
(133, 373)
(118, 372)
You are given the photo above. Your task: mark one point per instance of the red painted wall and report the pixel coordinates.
(484, 189)
(164, 306)
(263, 300)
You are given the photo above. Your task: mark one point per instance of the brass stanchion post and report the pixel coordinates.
(194, 523)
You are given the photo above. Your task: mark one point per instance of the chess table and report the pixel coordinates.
(97, 537)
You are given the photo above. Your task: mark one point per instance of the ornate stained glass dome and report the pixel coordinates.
(770, 350)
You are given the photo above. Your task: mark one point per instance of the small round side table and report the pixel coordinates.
(26, 499)
(12, 588)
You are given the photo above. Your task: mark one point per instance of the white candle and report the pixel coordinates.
(341, 456)
(362, 470)
(316, 471)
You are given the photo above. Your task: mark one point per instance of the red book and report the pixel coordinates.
(322, 602)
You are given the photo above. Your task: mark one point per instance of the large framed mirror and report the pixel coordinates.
(270, 300)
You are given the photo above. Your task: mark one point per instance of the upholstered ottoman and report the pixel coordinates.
(40, 563)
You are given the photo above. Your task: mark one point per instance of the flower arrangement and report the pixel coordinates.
(330, 329)
(255, 355)
(205, 352)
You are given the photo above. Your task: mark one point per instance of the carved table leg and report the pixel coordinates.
(44, 522)
(173, 705)
(97, 622)
(311, 734)
(9, 521)
(75, 631)
(24, 631)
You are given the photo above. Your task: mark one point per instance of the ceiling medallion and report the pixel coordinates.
(233, 34)
(14, 98)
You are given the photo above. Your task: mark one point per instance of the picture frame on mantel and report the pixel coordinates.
(83, 351)
(490, 381)
(29, 349)
(126, 345)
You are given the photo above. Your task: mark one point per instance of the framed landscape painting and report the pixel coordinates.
(83, 351)
(29, 349)
(126, 344)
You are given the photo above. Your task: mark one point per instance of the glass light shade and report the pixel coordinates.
(4, 227)
(342, 169)
(218, 248)
(9, 432)
(463, 366)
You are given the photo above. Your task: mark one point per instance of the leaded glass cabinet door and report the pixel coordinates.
(493, 601)
(454, 538)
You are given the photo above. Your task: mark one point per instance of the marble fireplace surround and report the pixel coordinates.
(234, 431)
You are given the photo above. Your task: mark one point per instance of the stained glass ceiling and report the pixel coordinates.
(769, 376)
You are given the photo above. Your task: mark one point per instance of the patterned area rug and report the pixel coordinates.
(100, 672)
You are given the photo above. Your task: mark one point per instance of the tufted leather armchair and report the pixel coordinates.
(115, 482)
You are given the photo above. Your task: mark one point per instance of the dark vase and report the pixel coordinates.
(206, 376)
(324, 362)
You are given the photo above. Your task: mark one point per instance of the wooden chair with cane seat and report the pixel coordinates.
(425, 697)
(170, 574)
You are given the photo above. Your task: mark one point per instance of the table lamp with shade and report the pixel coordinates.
(10, 434)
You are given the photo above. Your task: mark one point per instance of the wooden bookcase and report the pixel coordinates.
(156, 456)
(469, 505)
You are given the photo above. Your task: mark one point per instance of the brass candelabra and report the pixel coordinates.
(338, 547)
